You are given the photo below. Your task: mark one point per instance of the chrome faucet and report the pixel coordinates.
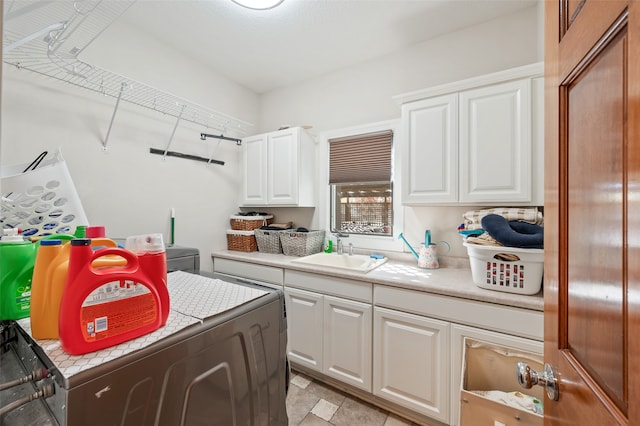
(339, 247)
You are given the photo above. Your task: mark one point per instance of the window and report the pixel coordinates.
(360, 175)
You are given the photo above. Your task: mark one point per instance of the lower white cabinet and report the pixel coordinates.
(411, 362)
(304, 327)
(400, 345)
(347, 341)
(328, 333)
(458, 334)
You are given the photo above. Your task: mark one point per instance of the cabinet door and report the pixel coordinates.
(411, 362)
(254, 173)
(347, 341)
(430, 156)
(495, 143)
(458, 333)
(304, 327)
(283, 167)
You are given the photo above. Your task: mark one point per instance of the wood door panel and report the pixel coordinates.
(588, 405)
(587, 31)
(596, 323)
(592, 214)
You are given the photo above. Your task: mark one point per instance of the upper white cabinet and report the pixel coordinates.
(279, 169)
(477, 141)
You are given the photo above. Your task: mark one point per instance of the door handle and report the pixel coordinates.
(547, 378)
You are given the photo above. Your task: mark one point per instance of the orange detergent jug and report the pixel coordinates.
(105, 306)
(49, 280)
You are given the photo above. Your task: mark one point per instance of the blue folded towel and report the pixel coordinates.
(513, 233)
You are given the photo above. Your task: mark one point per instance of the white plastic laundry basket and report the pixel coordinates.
(41, 202)
(508, 269)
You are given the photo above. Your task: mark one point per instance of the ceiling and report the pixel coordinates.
(303, 39)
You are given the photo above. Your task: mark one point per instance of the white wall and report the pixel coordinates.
(363, 94)
(127, 189)
(131, 191)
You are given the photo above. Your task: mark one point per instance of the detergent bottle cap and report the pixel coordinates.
(149, 243)
(94, 232)
(80, 242)
(12, 235)
(81, 231)
(50, 242)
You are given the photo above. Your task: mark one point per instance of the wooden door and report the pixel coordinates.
(592, 214)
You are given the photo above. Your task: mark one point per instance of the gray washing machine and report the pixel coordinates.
(224, 369)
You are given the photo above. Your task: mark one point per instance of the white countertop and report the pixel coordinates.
(452, 279)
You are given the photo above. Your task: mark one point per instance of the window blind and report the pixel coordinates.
(361, 158)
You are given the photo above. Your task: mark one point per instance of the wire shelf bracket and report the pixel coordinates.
(46, 37)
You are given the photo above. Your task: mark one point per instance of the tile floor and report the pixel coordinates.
(313, 403)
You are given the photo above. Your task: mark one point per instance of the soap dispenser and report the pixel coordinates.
(329, 248)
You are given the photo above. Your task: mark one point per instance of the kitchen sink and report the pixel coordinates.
(356, 262)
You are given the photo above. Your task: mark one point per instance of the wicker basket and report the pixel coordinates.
(241, 240)
(301, 243)
(249, 223)
(269, 241)
(508, 269)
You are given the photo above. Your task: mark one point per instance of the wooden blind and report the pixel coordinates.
(361, 158)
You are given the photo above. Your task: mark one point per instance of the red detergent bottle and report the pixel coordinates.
(152, 258)
(105, 306)
(50, 279)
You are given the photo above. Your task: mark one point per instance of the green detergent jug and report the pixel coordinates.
(17, 257)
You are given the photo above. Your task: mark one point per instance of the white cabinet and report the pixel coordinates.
(398, 345)
(473, 142)
(305, 313)
(279, 169)
(458, 334)
(330, 332)
(411, 362)
(347, 341)
(495, 143)
(267, 275)
(418, 344)
(430, 150)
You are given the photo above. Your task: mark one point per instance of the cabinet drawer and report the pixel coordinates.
(252, 271)
(489, 369)
(458, 335)
(500, 318)
(355, 290)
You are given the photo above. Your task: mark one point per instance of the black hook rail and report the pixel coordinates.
(185, 156)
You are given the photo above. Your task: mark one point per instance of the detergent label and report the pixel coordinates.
(115, 308)
(23, 297)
